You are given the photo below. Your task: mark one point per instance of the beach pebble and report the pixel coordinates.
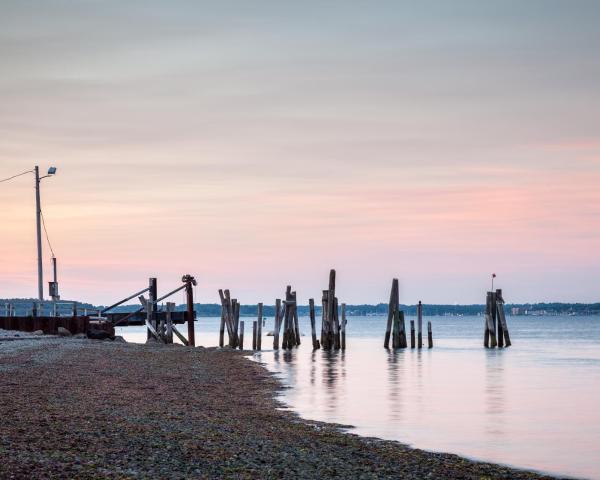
(63, 332)
(38, 332)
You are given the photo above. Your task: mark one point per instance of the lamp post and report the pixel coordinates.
(38, 221)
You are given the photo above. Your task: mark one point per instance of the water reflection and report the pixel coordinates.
(495, 401)
(395, 367)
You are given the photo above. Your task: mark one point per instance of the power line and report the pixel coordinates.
(15, 176)
(46, 232)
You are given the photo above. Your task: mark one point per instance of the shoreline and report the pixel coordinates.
(77, 408)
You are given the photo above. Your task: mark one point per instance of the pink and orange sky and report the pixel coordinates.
(256, 146)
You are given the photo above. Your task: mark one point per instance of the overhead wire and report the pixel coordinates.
(46, 232)
(15, 176)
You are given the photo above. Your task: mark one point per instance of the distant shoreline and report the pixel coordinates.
(354, 310)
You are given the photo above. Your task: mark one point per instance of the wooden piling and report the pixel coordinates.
(490, 330)
(189, 294)
(429, 335)
(222, 326)
(324, 321)
(311, 308)
(277, 323)
(295, 316)
(150, 306)
(402, 334)
(241, 334)
(420, 325)
(254, 332)
(331, 310)
(497, 322)
(260, 324)
(169, 334)
(343, 326)
(412, 334)
(388, 330)
(502, 318)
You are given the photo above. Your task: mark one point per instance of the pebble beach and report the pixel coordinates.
(79, 408)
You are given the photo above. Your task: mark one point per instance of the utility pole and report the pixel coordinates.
(38, 221)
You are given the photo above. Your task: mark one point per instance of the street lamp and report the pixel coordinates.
(38, 219)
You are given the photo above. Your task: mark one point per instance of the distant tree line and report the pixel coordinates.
(24, 305)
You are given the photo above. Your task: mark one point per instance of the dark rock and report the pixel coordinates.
(97, 334)
(63, 332)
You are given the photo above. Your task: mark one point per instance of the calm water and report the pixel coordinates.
(534, 405)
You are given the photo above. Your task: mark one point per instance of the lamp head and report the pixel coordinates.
(51, 170)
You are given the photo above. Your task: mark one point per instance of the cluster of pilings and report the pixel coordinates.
(230, 318)
(496, 329)
(287, 315)
(396, 327)
(333, 333)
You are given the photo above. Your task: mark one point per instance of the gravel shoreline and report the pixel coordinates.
(77, 408)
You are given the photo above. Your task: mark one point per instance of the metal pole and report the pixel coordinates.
(38, 212)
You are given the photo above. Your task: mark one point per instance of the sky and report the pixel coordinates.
(258, 144)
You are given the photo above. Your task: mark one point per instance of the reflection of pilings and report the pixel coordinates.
(395, 373)
(330, 377)
(494, 392)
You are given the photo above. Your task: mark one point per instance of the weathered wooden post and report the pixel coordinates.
(170, 309)
(396, 329)
(402, 336)
(412, 334)
(311, 307)
(343, 326)
(497, 323)
(420, 325)
(241, 324)
(489, 339)
(502, 318)
(391, 309)
(162, 327)
(277, 322)
(150, 306)
(295, 315)
(259, 331)
(429, 335)
(254, 332)
(324, 321)
(222, 325)
(331, 309)
(189, 294)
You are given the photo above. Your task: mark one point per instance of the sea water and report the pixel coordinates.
(533, 405)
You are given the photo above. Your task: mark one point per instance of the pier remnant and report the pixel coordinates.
(395, 322)
(496, 329)
(330, 322)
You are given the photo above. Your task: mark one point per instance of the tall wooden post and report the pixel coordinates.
(412, 334)
(420, 325)
(277, 323)
(311, 308)
(391, 309)
(169, 334)
(429, 335)
(152, 296)
(259, 331)
(189, 294)
(241, 336)
(343, 326)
